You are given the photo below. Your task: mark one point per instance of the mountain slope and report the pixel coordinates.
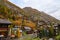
(10, 9)
(40, 15)
(17, 15)
(14, 13)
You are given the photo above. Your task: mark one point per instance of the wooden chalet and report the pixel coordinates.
(4, 29)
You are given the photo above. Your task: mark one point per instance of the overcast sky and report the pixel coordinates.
(51, 7)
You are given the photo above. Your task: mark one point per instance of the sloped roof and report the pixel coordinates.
(5, 21)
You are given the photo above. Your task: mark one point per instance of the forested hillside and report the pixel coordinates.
(26, 16)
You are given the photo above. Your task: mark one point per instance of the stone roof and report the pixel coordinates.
(5, 21)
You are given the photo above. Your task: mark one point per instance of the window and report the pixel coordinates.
(3, 26)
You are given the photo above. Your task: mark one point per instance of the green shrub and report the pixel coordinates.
(58, 37)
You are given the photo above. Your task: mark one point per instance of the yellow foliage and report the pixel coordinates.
(25, 23)
(19, 33)
(17, 22)
(29, 23)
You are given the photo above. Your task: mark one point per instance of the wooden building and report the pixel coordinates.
(4, 29)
